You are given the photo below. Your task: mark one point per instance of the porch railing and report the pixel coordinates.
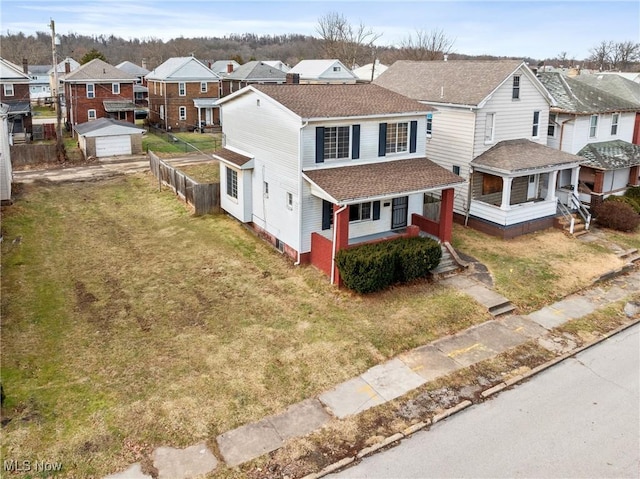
(581, 209)
(566, 213)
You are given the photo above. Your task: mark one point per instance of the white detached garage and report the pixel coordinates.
(109, 137)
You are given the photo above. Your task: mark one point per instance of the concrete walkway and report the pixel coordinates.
(397, 376)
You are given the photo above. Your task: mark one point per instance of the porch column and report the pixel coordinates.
(199, 117)
(598, 182)
(506, 193)
(551, 190)
(341, 225)
(633, 175)
(445, 227)
(575, 175)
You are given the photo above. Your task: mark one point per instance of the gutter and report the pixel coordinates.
(335, 235)
(304, 125)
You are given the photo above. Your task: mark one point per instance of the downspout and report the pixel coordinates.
(469, 194)
(166, 109)
(335, 238)
(304, 125)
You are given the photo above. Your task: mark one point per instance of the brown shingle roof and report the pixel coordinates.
(351, 183)
(232, 157)
(460, 82)
(97, 69)
(340, 101)
(517, 155)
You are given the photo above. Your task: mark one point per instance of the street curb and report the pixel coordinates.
(451, 411)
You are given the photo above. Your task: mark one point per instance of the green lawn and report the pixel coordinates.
(190, 142)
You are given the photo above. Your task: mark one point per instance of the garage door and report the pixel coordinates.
(113, 145)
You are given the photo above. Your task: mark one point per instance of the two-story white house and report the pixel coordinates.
(323, 71)
(599, 126)
(318, 168)
(490, 127)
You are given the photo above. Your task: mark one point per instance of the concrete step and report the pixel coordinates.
(627, 254)
(500, 309)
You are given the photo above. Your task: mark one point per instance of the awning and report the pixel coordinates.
(233, 158)
(111, 106)
(610, 155)
(205, 102)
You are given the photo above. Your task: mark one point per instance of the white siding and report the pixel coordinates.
(240, 207)
(577, 132)
(616, 180)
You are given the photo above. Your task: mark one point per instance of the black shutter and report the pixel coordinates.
(355, 142)
(382, 140)
(413, 136)
(319, 144)
(327, 212)
(376, 210)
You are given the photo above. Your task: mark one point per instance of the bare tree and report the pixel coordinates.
(426, 45)
(348, 43)
(601, 54)
(625, 53)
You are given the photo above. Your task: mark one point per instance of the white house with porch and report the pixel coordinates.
(317, 168)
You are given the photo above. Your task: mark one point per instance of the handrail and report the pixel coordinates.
(567, 215)
(582, 210)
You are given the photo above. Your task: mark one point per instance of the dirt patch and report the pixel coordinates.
(84, 298)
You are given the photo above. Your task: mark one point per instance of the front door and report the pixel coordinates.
(532, 189)
(399, 209)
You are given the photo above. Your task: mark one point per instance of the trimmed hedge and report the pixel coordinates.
(373, 267)
(617, 215)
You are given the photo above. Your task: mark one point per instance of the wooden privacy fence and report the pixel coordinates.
(204, 197)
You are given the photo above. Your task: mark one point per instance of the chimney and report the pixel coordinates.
(229, 67)
(67, 67)
(144, 63)
(25, 66)
(209, 65)
(292, 78)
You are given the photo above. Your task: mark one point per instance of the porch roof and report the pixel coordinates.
(610, 155)
(350, 184)
(112, 106)
(512, 156)
(205, 102)
(234, 158)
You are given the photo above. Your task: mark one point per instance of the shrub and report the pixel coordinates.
(633, 202)
(373, 267)
(633, 192)
(617, 215)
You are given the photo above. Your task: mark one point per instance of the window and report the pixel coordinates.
(115, 88)
(289, 200)
(360, 212)
(8, 89)
(265, 189)
(336, 142)
(429, 124)
(614, 123)
(515, 92)
(182, 89)
(91, 114)
(336, 69)
(162, 112)
(183, 112)
(232, 183)
(536, 124)
(551, 129)
(155, 88)
(397, 137)
(91, 90)
(456, 169)
(489, 127)
(593, 128)
(203, 87)
(491, 184)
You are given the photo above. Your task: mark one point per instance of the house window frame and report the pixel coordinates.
(515, 88)
(265, 189)
(203, 87)
(337, 68)
(289, 199)
(336, 146)
(551, 128)
(182, 88)
(429, 127)
(593, 126)
(91, 90)
(456, 169)
(489, 126)
(615, 121)
(356, 211)
(535, 130)
(182, 113)
(231, 183)
(91, 117)
(394, 142)
(115, 88)
(8, 89)
(161, 112)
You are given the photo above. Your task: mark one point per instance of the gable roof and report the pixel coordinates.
(336, 101)
(12, 73)
(220, 66)
(277, 64)
(73, 65)
(573, 96)
(364, 72)
(256, 71)
(316, 69)
(132, 68)
(98, 70)
(610, 155)
(615, 85)
(182, 69)
(107, 127)
(511, 156)
(458, 82)
(351, 184)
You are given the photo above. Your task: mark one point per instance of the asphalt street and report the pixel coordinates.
(578, 419)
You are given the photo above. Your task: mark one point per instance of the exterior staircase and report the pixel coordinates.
(574, 228)
(450, 263)
(574, 220)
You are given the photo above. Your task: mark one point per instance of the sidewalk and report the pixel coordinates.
(399, 376)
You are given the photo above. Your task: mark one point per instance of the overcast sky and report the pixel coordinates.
(537, 29)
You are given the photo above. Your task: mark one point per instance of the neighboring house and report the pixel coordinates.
(483, 106)
(318, 168)
(65, 66)
(277, 64)
(183, 95)
(253, 72)
(6, 175)
(140, 90)
(224, 67)
(370, 71)
(40, 84)
(14, 92)
(98, 90)
(109, 137)
(632, 76)
(323, 71)
(591, 122)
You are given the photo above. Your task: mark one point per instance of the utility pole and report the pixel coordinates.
(60, 153)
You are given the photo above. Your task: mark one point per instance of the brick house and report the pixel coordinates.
(183, 95)
(98, 90)
(15, 94)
